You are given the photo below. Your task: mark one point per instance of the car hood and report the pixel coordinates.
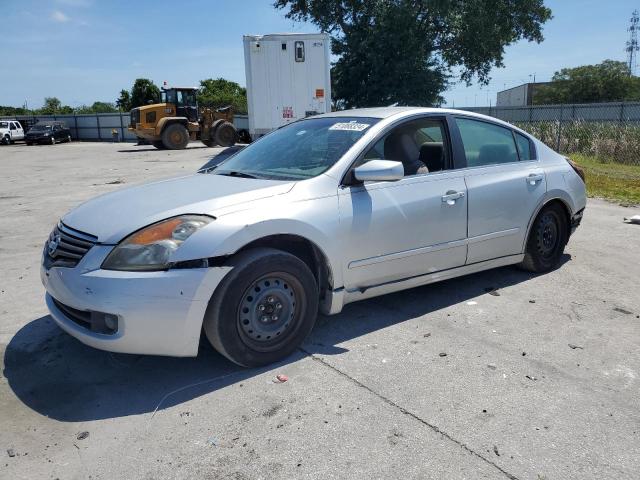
(38, 133)
(113, 216)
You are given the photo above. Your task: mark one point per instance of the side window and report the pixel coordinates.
(299, 51)
(486, 143)
(421, 145)
(13, 126)
(525, 149)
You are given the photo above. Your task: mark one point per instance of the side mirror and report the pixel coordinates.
(379, 171)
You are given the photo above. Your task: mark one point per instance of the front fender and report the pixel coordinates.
(315, 220)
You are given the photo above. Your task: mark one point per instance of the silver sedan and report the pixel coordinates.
(323, 212)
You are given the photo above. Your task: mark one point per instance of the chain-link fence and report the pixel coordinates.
(609, 132)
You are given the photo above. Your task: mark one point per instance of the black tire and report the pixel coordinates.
(209, 143)
(226, 135)
(175, 137)
(264, 283)
(53, 140)
(69, 138)
(6, 140)
(547, 239)
(158, 144)
(28, 143)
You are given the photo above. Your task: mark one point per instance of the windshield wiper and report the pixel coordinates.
(234, 173)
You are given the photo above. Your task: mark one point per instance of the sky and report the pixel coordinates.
(83, 51)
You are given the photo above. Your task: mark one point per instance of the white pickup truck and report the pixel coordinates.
(10, 131)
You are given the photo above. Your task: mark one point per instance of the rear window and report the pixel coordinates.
(4, 124)
(486, 143)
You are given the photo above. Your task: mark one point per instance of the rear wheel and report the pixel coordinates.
(226, 135)
(6, 140)
(53, 140)
(175, 137)
(263, 309)
(158, 144)
(548, 237)
(69, 138)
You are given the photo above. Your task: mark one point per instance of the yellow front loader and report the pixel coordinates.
(176, 120)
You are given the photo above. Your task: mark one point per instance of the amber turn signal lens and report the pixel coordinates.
(161, 231)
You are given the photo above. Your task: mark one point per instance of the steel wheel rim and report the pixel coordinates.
(549, 237)
(269, 311)
(176, 137)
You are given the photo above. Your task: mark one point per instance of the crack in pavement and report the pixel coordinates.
(404, 411)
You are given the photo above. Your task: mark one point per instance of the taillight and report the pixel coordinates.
(578, 169)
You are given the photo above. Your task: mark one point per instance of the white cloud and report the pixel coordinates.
(58, 16)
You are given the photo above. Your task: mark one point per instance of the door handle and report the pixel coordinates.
(451, 196)
(534, 178)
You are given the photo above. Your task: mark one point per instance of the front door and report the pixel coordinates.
(414, 226)
(505, 184)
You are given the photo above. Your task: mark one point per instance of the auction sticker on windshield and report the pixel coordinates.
(350, 126)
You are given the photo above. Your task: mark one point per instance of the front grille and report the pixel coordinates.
(66, 246)
(134, 117)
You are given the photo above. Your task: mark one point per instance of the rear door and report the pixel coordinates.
(505, 184)
(19, 132)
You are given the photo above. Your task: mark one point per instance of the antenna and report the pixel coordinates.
(632, 44)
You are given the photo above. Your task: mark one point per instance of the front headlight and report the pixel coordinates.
(150, 248)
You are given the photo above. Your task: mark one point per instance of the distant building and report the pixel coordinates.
(519, 96)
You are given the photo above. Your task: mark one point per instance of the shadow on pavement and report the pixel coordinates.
(59, 377)
(154, 149)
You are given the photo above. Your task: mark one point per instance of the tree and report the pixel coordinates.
(221, 93)
(124, 101)
(51, 106)
(608, 81)
(404, 51)
(98, 107)
(143, 91)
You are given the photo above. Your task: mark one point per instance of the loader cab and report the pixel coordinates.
(185, 101)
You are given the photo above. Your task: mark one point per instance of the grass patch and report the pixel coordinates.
(613, 181)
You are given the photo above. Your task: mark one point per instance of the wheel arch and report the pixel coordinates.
(549, 200)
(166, 121)
(304, 249)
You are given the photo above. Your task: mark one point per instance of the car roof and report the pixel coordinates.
(399, 112)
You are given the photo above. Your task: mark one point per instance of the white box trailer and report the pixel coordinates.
(288, 78)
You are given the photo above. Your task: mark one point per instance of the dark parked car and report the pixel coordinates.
(48, 132)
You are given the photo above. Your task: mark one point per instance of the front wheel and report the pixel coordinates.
(226, 135)
(547, 239)
(53, 140)
(263, 309)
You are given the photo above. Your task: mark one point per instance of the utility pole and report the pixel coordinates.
(632, 44)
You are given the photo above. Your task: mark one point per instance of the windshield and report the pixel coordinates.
(298, 151)
(40, 128)
(4, 124)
